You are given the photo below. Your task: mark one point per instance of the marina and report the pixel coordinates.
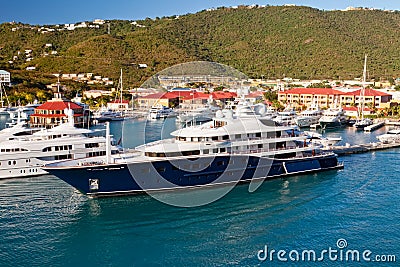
(208, 134)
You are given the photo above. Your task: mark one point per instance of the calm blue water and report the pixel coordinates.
(44, 222)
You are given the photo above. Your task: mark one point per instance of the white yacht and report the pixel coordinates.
(333, 118)
(362, 123)
(392, 136)
(161, 112)
(320, 140)
(104, 114)
(226, 150)
(309, 116)
(23, 153)
(202, 114)
(23, 112)
(286, 117)
(15, 130)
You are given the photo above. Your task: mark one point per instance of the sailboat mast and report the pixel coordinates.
(363, 87)
(121, 87)
(1, 92)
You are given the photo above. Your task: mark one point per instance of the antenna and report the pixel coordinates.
(58, 83)
(121, 87)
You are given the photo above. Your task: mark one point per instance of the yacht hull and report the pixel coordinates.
(164, 175)
(331, 125)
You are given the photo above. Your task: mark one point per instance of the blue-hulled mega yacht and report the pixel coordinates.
(226, 150)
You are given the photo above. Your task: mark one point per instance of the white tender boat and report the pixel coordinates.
(320, 140)
(161, 112)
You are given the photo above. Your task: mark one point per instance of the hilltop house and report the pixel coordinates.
(5, 77)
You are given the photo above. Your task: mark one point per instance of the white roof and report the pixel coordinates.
(234, 126)
(63, 129)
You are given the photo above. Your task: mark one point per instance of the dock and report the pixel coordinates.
(374, 126)
(392, 123)
(361, 148)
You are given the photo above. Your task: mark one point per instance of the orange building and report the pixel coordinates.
(323, 97)
(370, 96)
(326, 97)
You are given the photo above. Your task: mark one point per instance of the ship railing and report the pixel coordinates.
(265, 150)
(281, 149)
(257, 138)
(91, 163)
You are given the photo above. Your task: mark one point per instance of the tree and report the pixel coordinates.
(277, 105)
(271, 96)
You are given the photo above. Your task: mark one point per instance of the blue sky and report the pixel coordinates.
(59, 12)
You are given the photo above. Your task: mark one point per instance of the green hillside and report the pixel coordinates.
(269, 42)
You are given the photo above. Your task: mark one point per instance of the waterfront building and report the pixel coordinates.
(52, 113)
(327, 97)
(167, 99)
(323, 97)
(118, 105)
(370, 96)
(194, 100)
(187, 99)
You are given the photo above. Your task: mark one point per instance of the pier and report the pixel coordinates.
(374, 126)
(361, 148)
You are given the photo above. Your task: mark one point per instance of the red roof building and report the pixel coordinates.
(370, 96)
(183, 98)
(224, 96)
(194, 100)
(52, 113)
(324, 97)
(167, 99)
